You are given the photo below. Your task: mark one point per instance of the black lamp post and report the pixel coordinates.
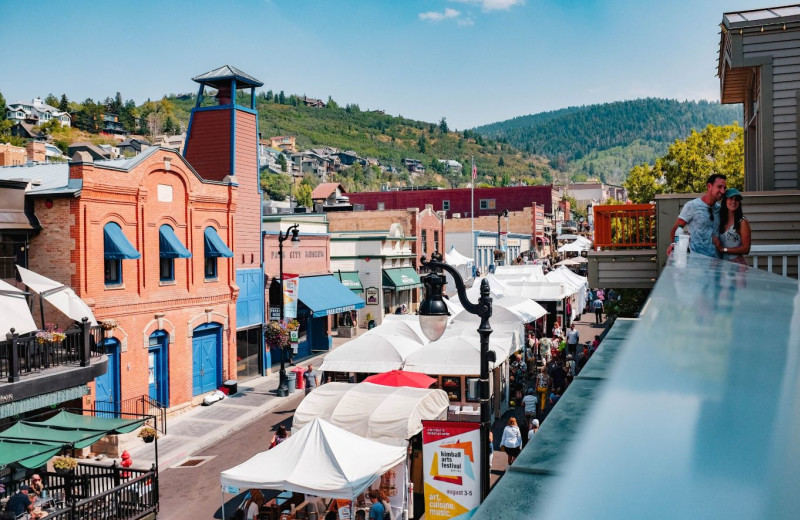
(433, 321)
(500, 215)
(283, 385)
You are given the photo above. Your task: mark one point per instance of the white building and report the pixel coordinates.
(36, 112)
(384, 263)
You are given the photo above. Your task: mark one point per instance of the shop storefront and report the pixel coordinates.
(400, 287)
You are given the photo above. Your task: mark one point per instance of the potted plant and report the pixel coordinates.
(108, 326)
(367, 319)
(148, 434)
(64, 464)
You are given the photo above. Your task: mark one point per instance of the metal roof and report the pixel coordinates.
(764, 16)
(212, 77)
(48, 177)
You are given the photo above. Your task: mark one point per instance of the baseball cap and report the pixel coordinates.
(24, 488)
(732, 192)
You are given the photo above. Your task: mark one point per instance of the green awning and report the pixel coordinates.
(68, 420)
(30, 430)
(28, 454)
(401, 278)
(350, 280)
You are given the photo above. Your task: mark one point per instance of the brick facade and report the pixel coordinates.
(458, 200)
(159, 189)
(36, 151)
(11, 155)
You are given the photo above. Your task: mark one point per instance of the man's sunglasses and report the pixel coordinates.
(711, 213)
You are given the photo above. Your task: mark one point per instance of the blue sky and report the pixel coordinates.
(471, 61)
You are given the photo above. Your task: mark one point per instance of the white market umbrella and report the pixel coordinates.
(576, 246)
(568, 261)
(454, 355)
(454, 258)
(16, 313)
(379, 350)
(59, 295)
(321, 459)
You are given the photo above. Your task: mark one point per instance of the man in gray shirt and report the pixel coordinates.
(311, 378)
(700, 217)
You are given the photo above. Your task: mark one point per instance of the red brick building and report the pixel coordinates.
(488, 201)
(114, 242)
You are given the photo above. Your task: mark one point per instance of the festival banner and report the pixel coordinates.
(291, 283)
(451, 454)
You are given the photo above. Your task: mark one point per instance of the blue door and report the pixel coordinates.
(107, 385)
(206, 355)
(158, 374)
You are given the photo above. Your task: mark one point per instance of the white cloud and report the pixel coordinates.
(465, 22)
(434, 16)
(493, 5)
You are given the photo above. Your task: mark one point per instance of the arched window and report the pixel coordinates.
(169, 248)
(214, 248)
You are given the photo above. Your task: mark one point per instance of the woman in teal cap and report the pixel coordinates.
(734, 229)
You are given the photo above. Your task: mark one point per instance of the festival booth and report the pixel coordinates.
(390, 415)
(577, 288)
(465, 267)
(550, 295)
(530, 272)
(322, 460)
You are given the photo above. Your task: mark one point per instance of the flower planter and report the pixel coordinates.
(148, 440)
(63, 471)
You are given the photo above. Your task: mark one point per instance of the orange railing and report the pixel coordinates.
(625, 226)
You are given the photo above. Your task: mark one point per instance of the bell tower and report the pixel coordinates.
(222, 140)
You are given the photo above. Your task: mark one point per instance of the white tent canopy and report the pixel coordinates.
(456, 354)
(496, 288)
(530, 272)
(578, 285)
(321, 459)
(379, 350)
(59, 295)
(388, 414)
(15, 313)
(568, 261)
(538, 291)
(509, 309)
(454, 258)
(576, 246)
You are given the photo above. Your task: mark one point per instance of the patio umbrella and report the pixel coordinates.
(568, 261)
(59, 295)
(15, 313)
(401, 378)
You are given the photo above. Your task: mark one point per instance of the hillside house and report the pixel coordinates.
(132, 146)
(311, 102)
(96, 153)
(36, 112)
(112, 124)
(284, 143)
(452, 166)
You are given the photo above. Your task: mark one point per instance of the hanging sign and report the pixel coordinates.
(451, 454)
(290, 285)
(294, 339)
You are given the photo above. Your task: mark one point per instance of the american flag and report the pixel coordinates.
(474, 172)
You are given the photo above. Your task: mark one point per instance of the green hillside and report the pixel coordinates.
(606, 140)
(390, 139)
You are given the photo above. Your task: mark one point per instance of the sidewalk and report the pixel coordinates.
(203, 426)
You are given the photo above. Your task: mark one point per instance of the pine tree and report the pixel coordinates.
(63, 105)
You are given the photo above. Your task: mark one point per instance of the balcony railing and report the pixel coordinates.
(769, 257)
(22, 356)
(629, 226)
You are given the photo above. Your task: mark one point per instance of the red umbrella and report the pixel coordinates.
(401, 378)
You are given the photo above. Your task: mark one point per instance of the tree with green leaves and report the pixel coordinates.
(277, 186)
(421, 143)
(2, 107)
(51, 100)
(282, 163)
(443, 125)
(282, 98)
(169, 126)
(501, 162)
(63, 104)
(302, 194)
(688, 163)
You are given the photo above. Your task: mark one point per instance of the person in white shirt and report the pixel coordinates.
(529, 402)
(511, 442)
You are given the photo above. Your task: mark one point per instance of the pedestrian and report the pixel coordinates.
(376, 510)
(542, 383)
(511, 442)
(533, 429)
(491, 450)
(700, 217)
(595, 344)
(573, 336)
(311, 378)
(253, 505)
(544, 350)
(387, 506)
(281, 435)
(582, 359)
(597, 306)
(734, 229)
(559, 376)
(570, 368)
(529, 403)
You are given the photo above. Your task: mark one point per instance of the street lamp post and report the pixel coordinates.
(500, 215)
(283, 385)
(433, 315)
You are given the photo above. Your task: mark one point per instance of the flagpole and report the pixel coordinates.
(472, 212)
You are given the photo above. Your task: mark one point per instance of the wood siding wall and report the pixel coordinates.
(783, 48)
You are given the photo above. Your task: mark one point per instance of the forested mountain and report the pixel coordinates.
(594, 140)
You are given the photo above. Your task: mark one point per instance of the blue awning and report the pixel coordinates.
(215, 247)
(170, 245)
(116, 245)
(325, 295)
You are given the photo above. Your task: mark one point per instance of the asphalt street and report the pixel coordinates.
(194, 493)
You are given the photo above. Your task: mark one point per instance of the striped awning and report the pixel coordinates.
(42, 401)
